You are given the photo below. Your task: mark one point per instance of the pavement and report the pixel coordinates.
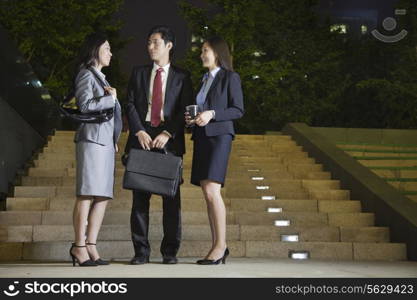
(234, 268)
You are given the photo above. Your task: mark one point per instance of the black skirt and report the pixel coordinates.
(210, 157)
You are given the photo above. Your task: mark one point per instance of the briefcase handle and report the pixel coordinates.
(163, 150)
(125, 155)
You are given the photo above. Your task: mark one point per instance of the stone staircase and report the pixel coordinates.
(396, 164)
(279, 201)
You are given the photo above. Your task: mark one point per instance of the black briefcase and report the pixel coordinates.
(153, 172)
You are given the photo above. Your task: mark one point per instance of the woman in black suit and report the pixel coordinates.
(220, 101)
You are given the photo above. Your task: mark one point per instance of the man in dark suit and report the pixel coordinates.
(157, 97)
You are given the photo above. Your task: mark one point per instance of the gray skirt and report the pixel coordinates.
(95, 169)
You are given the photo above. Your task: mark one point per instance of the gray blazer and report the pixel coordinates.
(91, 97)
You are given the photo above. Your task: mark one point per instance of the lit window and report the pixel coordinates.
(364, 29)
(341, 28)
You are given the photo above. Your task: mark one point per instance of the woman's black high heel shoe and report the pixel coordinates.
(98, 261)
(87, 263)
(215, 262)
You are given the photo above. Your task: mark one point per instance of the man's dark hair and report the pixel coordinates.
(221, 52)
(166, 34)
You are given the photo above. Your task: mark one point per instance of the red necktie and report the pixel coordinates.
(156, 99)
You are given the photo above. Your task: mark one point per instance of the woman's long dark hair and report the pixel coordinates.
(221, 52)
(88, 55)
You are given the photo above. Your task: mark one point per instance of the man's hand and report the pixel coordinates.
(203, 118)
(116, 148)
(145, 140)
(160, 141)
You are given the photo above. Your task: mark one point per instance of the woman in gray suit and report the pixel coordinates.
(96, 144)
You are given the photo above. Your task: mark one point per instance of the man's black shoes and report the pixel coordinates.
(139, 260)
(170, 260)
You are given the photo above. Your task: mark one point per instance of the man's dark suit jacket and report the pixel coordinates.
(226, 99)
(178, 95)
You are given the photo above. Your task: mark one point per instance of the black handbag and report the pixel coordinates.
(153, 172)
(69, 109)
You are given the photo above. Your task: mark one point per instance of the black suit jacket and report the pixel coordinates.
(178, 95)
(225, 97)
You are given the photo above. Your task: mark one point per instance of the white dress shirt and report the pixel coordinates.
(164, 77)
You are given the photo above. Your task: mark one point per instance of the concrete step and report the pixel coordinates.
(66, 156)
(395, 173)
(38, 223)
(378, 147)
(380, 154)
(412, 197)
(329, 251)
(284, 184)
(50, 233)
(316, 233)
(299, 170)
(329, 194)
(120, 217)
(191, 204)
(404, 186)
(21, 217)
(112, 217)
(45, 233)
(71, 181)
(389, 163)
(233, 192)
(252, 192)
(258, 205)
(294, 205)
(26, 204)
(262, 158)
(313, 175)
(351, 219)
(58, 251)
(62, 191)
(342, 206)
(364, 234)
(63, 164)
(288, 147)
(306, 218)
(295, 218)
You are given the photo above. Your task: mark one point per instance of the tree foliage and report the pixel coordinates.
(294, 69)
(49, 34)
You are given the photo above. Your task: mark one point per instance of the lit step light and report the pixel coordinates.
(268, 198)
(299, 254)
(258, 178)
(289, 237)
(254, 170)
(262, 187)
(274, 209)
(282, 223)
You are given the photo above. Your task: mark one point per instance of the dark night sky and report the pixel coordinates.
(140, 15)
